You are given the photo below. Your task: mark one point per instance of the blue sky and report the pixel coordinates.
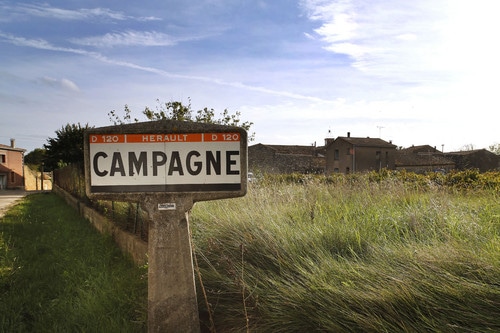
(414, 72)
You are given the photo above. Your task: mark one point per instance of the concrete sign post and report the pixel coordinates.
(167, 166)
(172, 304)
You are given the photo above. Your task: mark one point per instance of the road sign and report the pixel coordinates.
(168, 158)
(190, 162)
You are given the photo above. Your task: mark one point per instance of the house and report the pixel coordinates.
(421, 159)
(353, 154)
(266, 158)
(481, 159)
(11, 166)
(349, 154)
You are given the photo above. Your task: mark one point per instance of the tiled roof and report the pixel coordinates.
(469, 152)
(294, 150)
(421, 149)
(5, 147)
(367, 142)
(407, 158)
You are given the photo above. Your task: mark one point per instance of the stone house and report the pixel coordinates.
(421, 159)
(352, 154)
(349, 154)
(11, 166)
(481, 159)
(264, 158)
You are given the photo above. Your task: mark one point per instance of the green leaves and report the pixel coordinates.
(176, 110)
(66, 147)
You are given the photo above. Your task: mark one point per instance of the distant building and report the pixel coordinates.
(353, 154)
(421, 159)
(349, 154)
(481, 159)
(11, 166)
(266, 158)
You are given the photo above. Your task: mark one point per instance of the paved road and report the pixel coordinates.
(8, 198)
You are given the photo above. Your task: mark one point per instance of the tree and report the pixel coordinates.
(468, 147)
(495, 148)
(170, 110)
(35, 158)
(178, 111)
(66, 148)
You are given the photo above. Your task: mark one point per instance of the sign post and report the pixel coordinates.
(167, 166)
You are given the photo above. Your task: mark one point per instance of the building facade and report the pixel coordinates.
(11, 166)
(353, 154)
(263, 158)
(349, 154)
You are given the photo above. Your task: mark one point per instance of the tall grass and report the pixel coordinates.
(58, 274)
(353, 254)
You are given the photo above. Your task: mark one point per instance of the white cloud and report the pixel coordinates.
(69, 85)
(47, 11)
(309, 36)
(44, 45)
(128, 38)
(40, 44)
(407, 37)
(354, 50)
(415, 40)
(382, 38)
(63, 83)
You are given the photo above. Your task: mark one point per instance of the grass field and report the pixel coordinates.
(351, 255)
(364, 253)
(57, 274)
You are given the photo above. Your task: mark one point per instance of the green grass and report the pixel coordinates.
(57, 274)
(364, 253)
(352, 255)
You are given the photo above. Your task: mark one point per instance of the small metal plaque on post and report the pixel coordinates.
(167, 166)
(167, 206)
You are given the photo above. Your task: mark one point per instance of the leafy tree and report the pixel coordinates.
(495, 148)
(468, 147)
(35, 158)
(170, 110)
(66, 148)
(178, 111)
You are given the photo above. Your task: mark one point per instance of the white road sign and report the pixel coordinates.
(189, 162)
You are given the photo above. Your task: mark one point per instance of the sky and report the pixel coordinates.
(422, 72)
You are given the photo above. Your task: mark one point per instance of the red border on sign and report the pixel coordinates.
(164, 138)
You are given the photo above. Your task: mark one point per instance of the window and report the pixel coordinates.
(12, 177)
(336, 155)
(336, 170)
(2, 158)
(347, 170)
(377, 155)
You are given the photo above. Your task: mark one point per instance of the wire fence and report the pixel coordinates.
(126, 215)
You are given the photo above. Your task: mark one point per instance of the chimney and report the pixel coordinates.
(13, 143)
(348, 134)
